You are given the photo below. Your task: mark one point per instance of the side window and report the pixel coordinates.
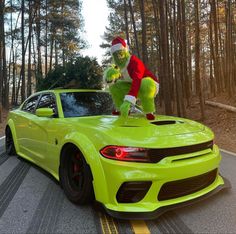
(48, 101)
(30, 104)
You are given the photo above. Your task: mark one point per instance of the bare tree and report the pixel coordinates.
(2, 55)
(164, 62)
(134, 28)
(46, 37)
(38, 37)
(216, 61)
(29, 88)
(23, 50)
(229, 50)
(197, 58)
(126, 23)
(144, 32)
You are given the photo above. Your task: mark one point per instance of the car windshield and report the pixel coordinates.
(77, 104)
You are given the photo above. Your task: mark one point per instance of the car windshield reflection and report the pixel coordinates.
(77, 104)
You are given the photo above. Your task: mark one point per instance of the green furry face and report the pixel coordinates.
(121, 57)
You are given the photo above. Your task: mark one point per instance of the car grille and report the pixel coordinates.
(157, 155)
(187, 186)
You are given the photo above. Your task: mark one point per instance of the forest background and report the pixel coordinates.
(190, 44)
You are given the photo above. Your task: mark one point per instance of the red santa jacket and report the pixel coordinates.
(135, 70)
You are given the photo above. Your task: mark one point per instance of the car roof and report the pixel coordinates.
(68, 90)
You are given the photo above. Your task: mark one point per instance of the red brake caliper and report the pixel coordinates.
(76, 166)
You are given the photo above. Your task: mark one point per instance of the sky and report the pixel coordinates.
(95, 13)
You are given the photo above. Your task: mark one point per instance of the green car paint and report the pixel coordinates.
(40, 139)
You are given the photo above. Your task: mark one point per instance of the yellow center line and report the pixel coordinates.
(103, 224)
(108, 225)
(139, 227)
(112, 224)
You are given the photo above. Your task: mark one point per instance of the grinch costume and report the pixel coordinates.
(132, 80)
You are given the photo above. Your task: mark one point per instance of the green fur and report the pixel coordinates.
(118, 92)
(147, 88)
(121, 57)
(146, 93)
(111, 74)
(124, 109)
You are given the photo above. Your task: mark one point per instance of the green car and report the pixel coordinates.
(133, 167)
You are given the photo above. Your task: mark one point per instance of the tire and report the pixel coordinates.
(75, 176)
(9, 142)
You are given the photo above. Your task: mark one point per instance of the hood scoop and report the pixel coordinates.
(166, 122)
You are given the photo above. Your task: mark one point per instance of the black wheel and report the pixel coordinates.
(9, 142)
(75, 176)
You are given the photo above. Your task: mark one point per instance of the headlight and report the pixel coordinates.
(123, 153)
(135, 154)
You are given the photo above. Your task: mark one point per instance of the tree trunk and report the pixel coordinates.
(197, 58)
(181, 59)
(29, 52)
(12, 62)
(171, 52)
(144, 39)
(220, 105)
(134, 27)
(126, 23)
(158, 46)
(164, 47)
(229, 50)
(157, 34)
(4, 83)
(177, 80)
(51, 51)
(56, 53)
(38, 33)
(63, 46)
(23, 50)
(216, 49)
(185, 60)
(2, 11)
(212, 58)
(46, 39)
(13, 99)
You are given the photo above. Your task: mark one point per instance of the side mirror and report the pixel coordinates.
(44, 112)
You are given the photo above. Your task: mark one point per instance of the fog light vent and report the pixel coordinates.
(130, 192)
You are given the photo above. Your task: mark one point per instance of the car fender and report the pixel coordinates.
(90, 153)
(11, 125)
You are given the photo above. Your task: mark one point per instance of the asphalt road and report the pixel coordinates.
(31, 201)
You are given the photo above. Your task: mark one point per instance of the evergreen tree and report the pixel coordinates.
(83, 72)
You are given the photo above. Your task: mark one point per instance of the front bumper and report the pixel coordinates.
(175, 168)
(158, 212)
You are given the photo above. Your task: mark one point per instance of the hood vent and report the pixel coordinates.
(166, 122)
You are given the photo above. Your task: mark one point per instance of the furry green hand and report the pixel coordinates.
(111, 74)
(124, 109)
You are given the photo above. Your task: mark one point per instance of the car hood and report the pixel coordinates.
(138, 130)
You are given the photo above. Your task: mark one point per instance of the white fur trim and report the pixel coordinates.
(157, 88)
(126, 65)
(117, 47)
(130, 98)
(125, 72)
